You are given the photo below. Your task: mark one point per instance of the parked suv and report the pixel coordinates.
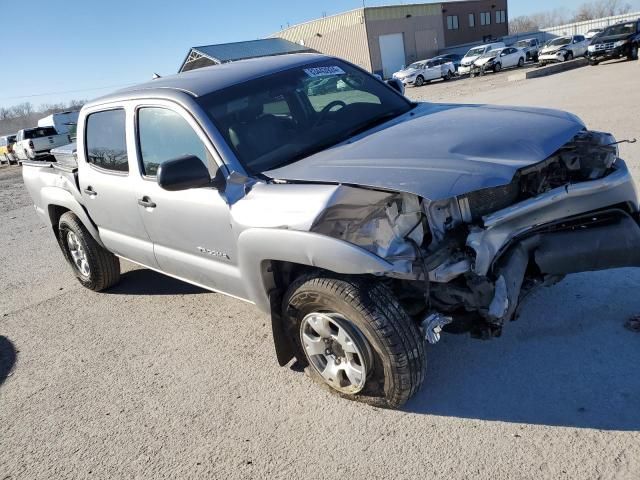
(621, 40)
(6, 149)
(563, 49)
(531, 48)
(364, 224)
(33, 143)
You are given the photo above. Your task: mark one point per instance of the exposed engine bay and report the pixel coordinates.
(466, 263)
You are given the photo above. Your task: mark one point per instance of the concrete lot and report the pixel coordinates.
(158, 379)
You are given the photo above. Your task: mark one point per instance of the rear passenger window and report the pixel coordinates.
(106, 140)
(164, 135)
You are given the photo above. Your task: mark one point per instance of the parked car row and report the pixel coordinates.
(33, 143)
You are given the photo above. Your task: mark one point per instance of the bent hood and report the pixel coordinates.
(438, 151)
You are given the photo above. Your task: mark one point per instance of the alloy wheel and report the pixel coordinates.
(337, 350)
(78, 254)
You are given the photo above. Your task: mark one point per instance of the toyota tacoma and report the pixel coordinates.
(364, 224)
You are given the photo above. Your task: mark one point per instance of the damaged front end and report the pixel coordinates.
(466, 263)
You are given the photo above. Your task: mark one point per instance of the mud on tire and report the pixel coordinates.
(398, 360)
(103, 266)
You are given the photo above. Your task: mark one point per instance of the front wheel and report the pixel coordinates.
(419, 81)
(448, 76)
(96, 268)
(355, 339)
(497, 67)
(568, 57)
(521, 62)
(633, 53)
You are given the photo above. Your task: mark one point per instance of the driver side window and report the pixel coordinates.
(164, 135)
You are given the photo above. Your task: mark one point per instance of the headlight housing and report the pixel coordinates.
(620, 43)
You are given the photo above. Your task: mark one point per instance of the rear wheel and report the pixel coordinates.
(521, 62)
(355, 339)
(419, 81)
(96, 268)
(449, 75)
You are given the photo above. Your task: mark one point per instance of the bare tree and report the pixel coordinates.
(24, 115)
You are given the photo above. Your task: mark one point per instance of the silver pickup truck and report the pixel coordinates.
(364, 224)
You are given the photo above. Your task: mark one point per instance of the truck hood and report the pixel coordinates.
(438, 151)
(613, 38)
(553, 48)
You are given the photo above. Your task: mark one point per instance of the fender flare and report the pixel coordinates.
(257, 246)
(53, 196)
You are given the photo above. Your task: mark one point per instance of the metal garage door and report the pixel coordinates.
(391, 53)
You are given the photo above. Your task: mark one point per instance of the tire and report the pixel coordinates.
(448, 76)
(633, 52)
(389, 344)
(419, 81)
(102, 267)
(568, 57)
(521, 62)
(497, 67)
(593, 63)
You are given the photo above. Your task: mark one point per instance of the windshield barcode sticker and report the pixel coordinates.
(323, 71)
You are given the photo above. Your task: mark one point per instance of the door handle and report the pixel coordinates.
(90, 191)
(146, 203)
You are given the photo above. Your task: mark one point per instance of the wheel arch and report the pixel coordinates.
(271, 259)
(58, 202)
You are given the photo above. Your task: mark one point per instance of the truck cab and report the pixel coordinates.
(34, 143)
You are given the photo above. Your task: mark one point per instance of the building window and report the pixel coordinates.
(452, 22)
(472, 20)
(485, 18)
(501, 16)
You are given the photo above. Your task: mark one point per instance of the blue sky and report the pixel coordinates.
(85, 48)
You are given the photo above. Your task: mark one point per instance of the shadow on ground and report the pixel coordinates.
(568, 361)
(148, 282)
(8, 357)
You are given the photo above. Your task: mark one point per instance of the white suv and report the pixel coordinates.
(563, 49)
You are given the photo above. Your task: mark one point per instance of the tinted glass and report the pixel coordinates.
(164, 135)
(106, 140)
(277, 119)
(40, 132)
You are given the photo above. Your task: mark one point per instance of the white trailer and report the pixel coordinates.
(62, 122)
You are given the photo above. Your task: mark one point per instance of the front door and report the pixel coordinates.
(191, 229)
(107, 185)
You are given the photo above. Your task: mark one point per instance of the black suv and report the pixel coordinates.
(620, 40)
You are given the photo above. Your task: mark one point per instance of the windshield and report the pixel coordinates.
(40, 132)
(281, 118)
(475, 52)
(491, 53)
(415, 66)
(624, 29)
(558, 42)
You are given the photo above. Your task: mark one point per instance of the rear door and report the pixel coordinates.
(107, 186)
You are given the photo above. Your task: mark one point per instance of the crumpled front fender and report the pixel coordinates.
(258, 246)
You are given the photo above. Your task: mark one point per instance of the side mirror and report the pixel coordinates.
(396, 85)
(183, 173)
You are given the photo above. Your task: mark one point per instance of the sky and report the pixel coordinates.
(81, 49)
